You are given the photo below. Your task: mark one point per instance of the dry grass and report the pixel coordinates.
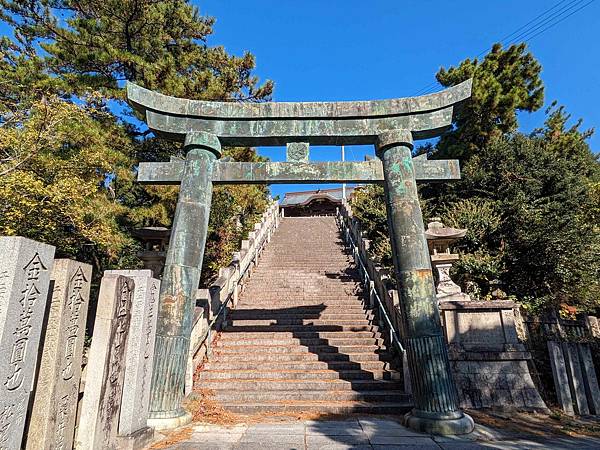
(172, 438)
(205, 408)
(539, 424)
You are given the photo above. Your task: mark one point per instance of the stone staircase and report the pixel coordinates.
(300, 338)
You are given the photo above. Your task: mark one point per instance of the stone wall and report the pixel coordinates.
(489, 363)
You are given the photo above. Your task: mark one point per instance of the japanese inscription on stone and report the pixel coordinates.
(24, 279)
(101, 404)
(140, 350)
(53, 417)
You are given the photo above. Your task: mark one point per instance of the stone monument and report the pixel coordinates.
(25, 271)
(488, 361)
(105, 372)
(139, 356)
(52, 423)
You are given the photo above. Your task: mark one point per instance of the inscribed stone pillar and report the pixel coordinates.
(435, 396)
(575, 377)
(25, 270)
(52, 423)
(592, 390)
(561, 378)
(140, 350)
(180, 281)
(105, 372)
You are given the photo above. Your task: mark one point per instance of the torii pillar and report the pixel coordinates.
(436, 399)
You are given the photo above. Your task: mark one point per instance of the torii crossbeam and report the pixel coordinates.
(390, 125)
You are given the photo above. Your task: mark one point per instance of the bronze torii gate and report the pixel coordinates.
(391, 125)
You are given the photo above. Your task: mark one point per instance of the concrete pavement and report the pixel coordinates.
(362, 433)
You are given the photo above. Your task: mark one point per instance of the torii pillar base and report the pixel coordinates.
(458, 423)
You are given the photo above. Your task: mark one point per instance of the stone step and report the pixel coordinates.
(323, 407)
(298, 301)
(332, 254)
(306, 342)
(247, 348)
(297, 330)
(327, 288)
(305, 306)
(303, 385)
(290, 374)
(335, 343)
(361, 319)
(317, 267)
(261, 314)
(224, 363)
(273, 293)
(302, 332)
(304, 283)
(276, 396)
(243, 357)
(300, 338)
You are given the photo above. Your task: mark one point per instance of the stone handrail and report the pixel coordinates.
(378, 283)
(214, 301)
(380, 277)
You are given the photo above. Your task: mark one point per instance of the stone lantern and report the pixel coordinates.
(485, 354)
(439, 239)
(155, 240)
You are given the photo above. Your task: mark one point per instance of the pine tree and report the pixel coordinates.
(505, 82)
(531, 202)
(81, 53)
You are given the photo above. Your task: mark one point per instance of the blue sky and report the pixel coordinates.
(361, 50)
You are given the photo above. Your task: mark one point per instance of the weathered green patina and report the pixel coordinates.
(298, 172)
(390, 125)
(181, 277)
(316, 123)
(436, 399)
(297, 151)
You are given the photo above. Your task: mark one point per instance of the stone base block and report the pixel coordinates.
(136, 441)
(169, 423)
(500, 383)
(461, 423)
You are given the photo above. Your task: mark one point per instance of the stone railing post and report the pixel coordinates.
(435, 396)
(180, 282)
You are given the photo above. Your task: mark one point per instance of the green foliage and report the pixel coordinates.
(70, 145)
(531, 203)
(475, 272)
(547, 237)
(158, 43)
(368, 206)
(504, 83)
(479, 216)
(55, 158)
(235, 210)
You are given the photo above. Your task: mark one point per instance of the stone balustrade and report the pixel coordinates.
(380, 277)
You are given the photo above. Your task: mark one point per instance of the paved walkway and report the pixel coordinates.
(362, 433)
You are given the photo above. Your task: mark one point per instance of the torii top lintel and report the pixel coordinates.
(318, 123)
